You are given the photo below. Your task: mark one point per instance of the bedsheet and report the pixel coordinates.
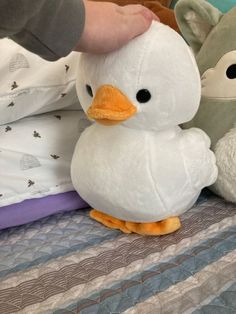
(69, 263)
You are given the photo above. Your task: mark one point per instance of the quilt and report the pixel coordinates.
(69, 263)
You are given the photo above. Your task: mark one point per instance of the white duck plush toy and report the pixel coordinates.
(135, 166)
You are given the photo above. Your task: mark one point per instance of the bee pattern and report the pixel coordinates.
(36, 134)
(55, 156)
(8, 128)
(30, 183)
(14, 85)
(67, 67)
(57, 116)
(12, 104)
(63, 95)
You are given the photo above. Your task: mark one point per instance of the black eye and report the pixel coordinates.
(231, 72)
(89, 90)
(143, 95)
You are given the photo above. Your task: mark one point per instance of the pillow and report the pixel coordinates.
(36, 153)
(30, 85)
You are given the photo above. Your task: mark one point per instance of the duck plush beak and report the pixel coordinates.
(110, 106)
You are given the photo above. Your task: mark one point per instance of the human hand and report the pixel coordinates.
(109, 26)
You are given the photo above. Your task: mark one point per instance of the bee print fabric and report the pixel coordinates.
(30, 85)
(35, 155)
(40, 123)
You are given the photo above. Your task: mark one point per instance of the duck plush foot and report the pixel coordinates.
(162, 227)
(109, 221)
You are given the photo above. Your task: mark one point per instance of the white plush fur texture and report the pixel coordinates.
(226, 155)
(146, 168)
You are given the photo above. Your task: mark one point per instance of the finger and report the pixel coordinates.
(150, 15)
(138, 9)
(137, 24)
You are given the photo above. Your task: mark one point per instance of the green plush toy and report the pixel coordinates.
(212, 36)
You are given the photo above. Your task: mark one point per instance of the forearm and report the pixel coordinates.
(49, 28)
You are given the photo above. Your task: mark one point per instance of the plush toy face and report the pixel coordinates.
(212, 36)
(219, 82)
(152, 83)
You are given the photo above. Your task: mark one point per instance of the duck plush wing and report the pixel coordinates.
(199, 160)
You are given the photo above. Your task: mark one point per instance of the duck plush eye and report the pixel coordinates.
(143, 95)
(231, 72)
(89, 90)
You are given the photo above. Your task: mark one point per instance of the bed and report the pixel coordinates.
(68, 263)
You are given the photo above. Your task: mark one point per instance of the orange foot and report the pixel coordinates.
(162, 227)
(109, 221)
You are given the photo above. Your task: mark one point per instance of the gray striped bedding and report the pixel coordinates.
(69, 263)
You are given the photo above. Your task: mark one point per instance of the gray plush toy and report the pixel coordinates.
(212, 36)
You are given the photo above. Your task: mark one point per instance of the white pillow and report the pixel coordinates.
(35, 155)
(30, 85)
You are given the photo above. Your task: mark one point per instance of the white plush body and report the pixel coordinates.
(226, 161)
(146, 168)
(142, 176)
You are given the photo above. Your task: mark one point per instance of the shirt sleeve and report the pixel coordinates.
(49, 28)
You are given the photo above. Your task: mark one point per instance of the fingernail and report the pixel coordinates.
(148, 14)
(156, 18)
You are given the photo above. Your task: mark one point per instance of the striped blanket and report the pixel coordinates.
(69, 263)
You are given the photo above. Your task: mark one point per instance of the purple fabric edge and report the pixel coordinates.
(37, 208)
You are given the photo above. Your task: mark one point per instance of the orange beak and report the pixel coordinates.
(110, 106)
